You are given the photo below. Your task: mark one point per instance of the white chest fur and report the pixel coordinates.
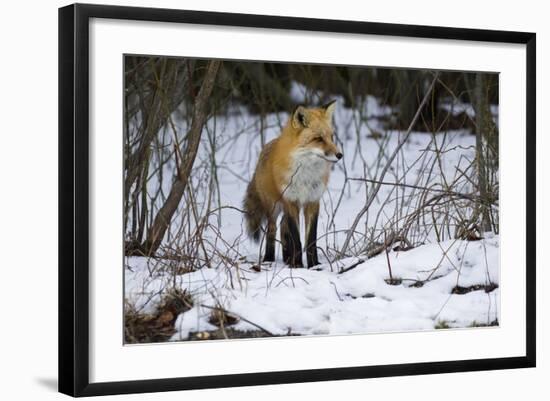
(305, 183)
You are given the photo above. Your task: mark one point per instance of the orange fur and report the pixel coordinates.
(291, 174)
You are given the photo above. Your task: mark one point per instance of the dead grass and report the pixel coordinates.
(159, 326)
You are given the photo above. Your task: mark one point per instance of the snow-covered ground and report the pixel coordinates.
(322, 301)
(306, 302)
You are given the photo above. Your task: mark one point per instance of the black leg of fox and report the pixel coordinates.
(312, 215)
(270, 240)
(285, 240)
(311, 250)
(292, 247)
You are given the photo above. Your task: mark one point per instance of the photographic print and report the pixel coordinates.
(267, 199)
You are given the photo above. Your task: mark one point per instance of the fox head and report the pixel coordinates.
(313, 131)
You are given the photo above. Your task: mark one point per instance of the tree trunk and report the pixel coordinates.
(162, 220)
(485, 149)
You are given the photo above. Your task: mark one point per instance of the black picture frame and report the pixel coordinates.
(74, 198)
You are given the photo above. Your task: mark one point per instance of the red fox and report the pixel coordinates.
(291, 174)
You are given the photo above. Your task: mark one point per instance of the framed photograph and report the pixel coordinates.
(251, 199)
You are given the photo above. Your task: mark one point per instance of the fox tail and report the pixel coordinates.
(254, 213)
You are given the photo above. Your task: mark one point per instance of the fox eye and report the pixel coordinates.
(318, 139)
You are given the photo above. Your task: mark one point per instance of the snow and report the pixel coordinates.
(308, 301)
(321, 301)
(456, 107)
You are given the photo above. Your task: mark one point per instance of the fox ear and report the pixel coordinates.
(299, 117)
(329, 109)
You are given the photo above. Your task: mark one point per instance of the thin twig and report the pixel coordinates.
(387, 166)
(353, 266)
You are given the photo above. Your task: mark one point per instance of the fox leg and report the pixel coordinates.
(284, 240)
(311, 213)
(290, 236)
(270, 239)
